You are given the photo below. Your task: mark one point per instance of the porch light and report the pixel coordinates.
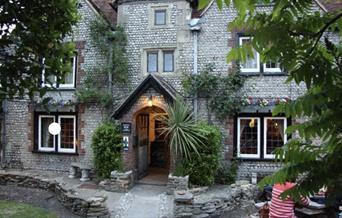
(150, 101)
(54, 128)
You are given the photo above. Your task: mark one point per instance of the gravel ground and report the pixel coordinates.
(36, 197)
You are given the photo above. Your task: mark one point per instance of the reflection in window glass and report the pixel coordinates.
(152, 62)
(67, 133)
(168, 61)
(251, 62)
(69, 77)
(160, 17)
(275, 134)
(46, 139)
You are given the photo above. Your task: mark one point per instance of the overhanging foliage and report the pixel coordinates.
(302, 41)
(29, 31)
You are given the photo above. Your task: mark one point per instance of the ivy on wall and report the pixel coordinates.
(223, 93)
(98, 81)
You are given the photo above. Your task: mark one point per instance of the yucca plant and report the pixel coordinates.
(181, 128)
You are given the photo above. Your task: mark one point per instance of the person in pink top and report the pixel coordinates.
(283, 208)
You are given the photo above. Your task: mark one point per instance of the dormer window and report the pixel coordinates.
(159, 17)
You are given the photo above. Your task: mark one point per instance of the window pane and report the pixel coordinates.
(152, 62)
(69, 77)
(46, 139)
(274, 135)
(251, 63)
(271, 64)
(67, 133)
(50, 80)
(249, 136)
(168, 61)
(160, 17)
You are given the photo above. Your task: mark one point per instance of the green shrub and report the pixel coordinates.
(107, 147)
(226, 174)
(202, 168)
(181, 128)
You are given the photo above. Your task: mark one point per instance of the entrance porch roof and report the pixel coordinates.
(151, 81)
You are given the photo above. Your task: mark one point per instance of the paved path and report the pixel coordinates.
(143, 201)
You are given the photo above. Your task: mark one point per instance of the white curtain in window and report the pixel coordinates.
(46, 137)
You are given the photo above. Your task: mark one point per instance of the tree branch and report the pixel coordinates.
(321, 32)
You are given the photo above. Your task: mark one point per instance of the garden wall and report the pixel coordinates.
(87, 207)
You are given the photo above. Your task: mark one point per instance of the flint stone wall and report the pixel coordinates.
(238, 197)
(91, 207)
(175, 183)
(119, 182)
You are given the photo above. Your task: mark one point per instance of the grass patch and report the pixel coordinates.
(11, 209)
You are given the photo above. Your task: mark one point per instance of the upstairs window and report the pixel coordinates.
(152, 62)
(159, 17)
(272, 66)
(252, 64)
(69, 78)
(168, 61)
(159, 61)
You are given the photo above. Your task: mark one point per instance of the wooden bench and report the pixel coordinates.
(76, 167)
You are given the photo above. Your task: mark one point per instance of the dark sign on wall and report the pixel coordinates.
(126, 128)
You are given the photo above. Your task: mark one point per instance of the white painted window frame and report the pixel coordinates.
(71, 85)
(272, 156)
(62, 86)
(271, 70)
(40, 148)
(67, 150)
(239, 155)
(250, 70)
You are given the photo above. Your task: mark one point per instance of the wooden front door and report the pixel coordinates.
(143, 141)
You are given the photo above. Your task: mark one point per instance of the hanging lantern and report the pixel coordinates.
(150, 101)
(54, 128)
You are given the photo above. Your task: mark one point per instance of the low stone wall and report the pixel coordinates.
(91, 207)
(237, 197)
(175, 183)
(119, 182)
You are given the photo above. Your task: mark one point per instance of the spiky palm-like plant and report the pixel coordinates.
(181, 128)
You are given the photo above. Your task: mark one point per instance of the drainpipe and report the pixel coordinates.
(195, 27)
(3, 133)
(110, 75)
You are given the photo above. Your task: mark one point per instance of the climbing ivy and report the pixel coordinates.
(223, 93)
(111, 44)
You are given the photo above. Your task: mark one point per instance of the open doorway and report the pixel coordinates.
(153, 156)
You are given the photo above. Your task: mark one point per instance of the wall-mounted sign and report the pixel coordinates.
(126, 128)
(125, 142)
